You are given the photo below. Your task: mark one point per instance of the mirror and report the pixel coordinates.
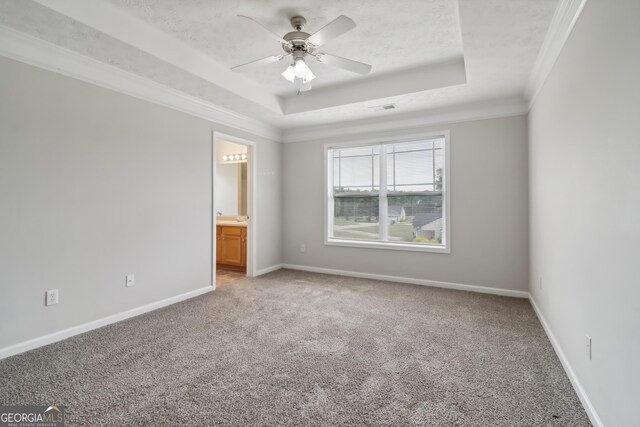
(231, 179)
(242, 189)
(231, 189)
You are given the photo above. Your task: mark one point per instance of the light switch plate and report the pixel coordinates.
(130, 280)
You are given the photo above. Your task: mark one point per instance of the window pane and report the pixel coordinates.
(414, 168)
(416, 218)
(356, 218)
(356, 151)
(439, 165)
(413, 146)
(414, 181)
(357, 172)
(414, 197)
(356, 169)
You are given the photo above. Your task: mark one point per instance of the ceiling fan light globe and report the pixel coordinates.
(310, 76)
(289, 74)
(300, 68)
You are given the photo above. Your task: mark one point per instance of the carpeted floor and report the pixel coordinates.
(293, 348)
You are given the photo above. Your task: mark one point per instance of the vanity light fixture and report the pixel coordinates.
(241, 157)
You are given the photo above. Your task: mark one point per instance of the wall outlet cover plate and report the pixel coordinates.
(51, 297)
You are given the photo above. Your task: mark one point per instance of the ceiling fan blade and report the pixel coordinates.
(333, 29)
(258, 62)
(344, 63)
(271, 33)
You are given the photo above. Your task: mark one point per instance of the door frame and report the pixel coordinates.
(252, 230)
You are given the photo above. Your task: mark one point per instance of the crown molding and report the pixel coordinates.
(42, 54)
(408, 121)
(562, 23)
(117, 23)
(39, 53)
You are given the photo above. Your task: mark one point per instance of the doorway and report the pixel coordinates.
(233, 214)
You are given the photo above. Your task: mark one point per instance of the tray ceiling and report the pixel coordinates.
(420, 32)
(431, 54)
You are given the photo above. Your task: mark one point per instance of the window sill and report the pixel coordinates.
(389, 245)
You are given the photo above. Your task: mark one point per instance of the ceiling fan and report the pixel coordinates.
(301, 45)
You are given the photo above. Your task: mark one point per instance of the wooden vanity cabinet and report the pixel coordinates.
(231, 246)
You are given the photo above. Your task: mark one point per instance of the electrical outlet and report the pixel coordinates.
(130, 281)
(303, 248)
(51, 297)
(588, 345)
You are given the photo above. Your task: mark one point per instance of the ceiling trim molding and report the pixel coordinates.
(42, 54)
(562, 23)
(117, 23)
(39, 53)
(431, 76)
(408, 122)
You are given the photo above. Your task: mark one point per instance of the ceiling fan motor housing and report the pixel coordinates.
(297, 39)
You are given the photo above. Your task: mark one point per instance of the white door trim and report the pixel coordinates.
(252, 230)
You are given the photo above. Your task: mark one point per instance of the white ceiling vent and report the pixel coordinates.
(384, 107)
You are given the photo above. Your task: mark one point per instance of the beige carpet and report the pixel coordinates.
(293, 348)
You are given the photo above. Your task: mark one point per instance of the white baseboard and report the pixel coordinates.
(267, 270)
(432, 283)
(75, 330)
(582, 395)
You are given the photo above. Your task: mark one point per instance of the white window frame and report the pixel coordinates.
(405, 246)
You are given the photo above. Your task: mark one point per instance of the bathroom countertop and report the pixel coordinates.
(230, 223)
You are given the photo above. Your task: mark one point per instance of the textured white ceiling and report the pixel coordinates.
(500, 40)
(34, 19)
(387, 36)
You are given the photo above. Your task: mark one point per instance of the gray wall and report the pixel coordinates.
(95, 185)
(269, 197)
(489, 211)
(585, 205)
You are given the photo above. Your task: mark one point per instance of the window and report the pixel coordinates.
(389, 195)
